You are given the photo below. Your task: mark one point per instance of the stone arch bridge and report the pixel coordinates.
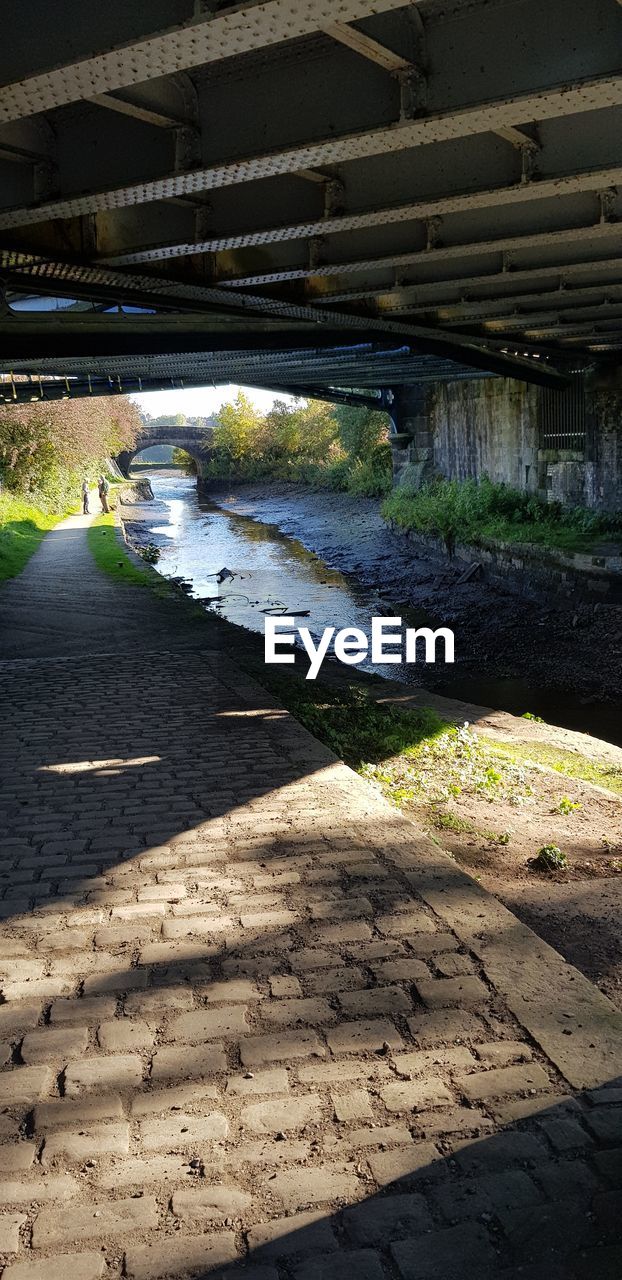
(197, 441)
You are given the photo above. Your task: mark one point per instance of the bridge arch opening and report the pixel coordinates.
(196, 443)
(141, 458)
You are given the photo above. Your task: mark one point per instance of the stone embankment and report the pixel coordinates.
(535, 573)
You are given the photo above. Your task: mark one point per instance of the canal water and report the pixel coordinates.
(272, 572)
(277, 573)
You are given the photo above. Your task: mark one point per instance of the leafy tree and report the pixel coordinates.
(236, 428)
(46, 449)
(360, 430)
(185, 460)
(306, 442)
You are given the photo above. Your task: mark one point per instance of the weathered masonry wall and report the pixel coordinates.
(494, 427)
(487, 427)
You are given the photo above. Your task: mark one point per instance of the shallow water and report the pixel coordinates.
(274, 571)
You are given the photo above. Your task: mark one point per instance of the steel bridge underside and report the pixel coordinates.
(308, 195)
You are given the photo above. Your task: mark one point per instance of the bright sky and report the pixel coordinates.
(200, 401)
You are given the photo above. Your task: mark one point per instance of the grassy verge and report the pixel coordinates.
(22, 527)
(111, 557)
(418, 760)
(468, 791)
(476, 511)
(347, 721)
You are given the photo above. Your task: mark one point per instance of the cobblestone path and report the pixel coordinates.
(252, 1020)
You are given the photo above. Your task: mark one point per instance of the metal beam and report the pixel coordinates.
(517, 137)
(18, 155)
(72, 388)
(561, 272)
(551, 103)
(365, 369)
(368, 48)
(84, 386)
(427, 338)
(256, 24)
(519, 321)
(565, 302)
(590, 180)
(314, 175)
(35, 272)
(332, 395)
(408, 293)
(22, 339)
(442, 253)
(251, 368)
(112, 102)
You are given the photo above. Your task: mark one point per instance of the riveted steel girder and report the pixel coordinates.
(449, 204)
(425, 337)
(437, 254)
(515, 194)
(589, 95)
(215, 37)
(519, 307)
(501, 287)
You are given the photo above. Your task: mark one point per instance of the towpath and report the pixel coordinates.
(254, 1022)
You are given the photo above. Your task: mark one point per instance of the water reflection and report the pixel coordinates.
(271, 571)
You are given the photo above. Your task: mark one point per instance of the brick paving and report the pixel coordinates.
(253, 1021)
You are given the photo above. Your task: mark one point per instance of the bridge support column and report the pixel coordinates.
(412, 442)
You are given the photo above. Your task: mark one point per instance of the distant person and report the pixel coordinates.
(103, 489)
(85, 497)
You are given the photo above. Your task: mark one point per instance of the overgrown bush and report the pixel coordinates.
(307, 443)
(184, 460)
(476, 510)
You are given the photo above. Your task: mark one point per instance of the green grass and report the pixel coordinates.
(111, 557)
(476, 511)
(444, 821)
(22, 528)
(354, 727)
(564, 762)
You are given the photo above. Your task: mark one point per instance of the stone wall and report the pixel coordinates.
(491, 427)
(534, 573)
(486, 427)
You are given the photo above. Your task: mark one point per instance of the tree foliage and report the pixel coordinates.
(308, 442)
(46, 449)
(360, 430)
(184, 460)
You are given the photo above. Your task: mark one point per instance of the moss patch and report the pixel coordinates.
(568, 763)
